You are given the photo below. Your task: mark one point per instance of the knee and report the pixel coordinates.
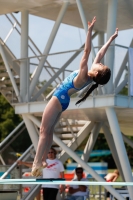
(44, 130)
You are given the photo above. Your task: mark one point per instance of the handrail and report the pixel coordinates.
(29, 40)
(12, 139)
(15, 164)
(11, 134)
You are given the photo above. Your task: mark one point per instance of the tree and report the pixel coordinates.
(8, 122)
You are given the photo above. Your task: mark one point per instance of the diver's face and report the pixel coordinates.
(96, 68)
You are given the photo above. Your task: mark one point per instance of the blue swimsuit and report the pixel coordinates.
(62, 91)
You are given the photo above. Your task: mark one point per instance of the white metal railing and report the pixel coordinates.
(57, 73)
(63, 71)
(15, 163)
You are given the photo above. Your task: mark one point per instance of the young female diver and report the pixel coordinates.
(59, 102)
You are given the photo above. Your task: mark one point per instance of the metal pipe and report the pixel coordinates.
(31, 130)
(15, 164)
(85, 24)
(91, 142)
(10, 73)
(10, 135)
(121, 85)
(48, 46)
(115, 129)
(111, 26)
(56, 75)
(112, 147)
(24, 53)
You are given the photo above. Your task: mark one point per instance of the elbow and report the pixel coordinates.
(86, 51)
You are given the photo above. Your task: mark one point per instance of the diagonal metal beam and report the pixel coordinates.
(121, 85)
(48, 46)
(91, 142)
(123, 65)
(10, 73)
(75, 142)
(57, 74)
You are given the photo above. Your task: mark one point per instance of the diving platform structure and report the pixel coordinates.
(106, 110)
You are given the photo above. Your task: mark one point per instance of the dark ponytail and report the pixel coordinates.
(101, 79)
(93, 87)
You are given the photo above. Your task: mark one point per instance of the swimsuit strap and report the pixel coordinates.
(87, 83)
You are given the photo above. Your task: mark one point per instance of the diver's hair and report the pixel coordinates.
(101, 79)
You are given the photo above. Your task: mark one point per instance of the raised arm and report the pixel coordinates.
(87, 48)
(104, 48)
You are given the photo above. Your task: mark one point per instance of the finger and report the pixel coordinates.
(89, 23)
(94, 18)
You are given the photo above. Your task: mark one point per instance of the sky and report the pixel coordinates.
(67, 38)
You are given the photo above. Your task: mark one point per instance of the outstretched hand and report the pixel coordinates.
(115, 34)
(91, 24)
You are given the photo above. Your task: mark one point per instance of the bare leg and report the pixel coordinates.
(38, 196)
(50, 139)
(50, 116)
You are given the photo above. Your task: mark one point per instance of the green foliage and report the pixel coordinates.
(8, 119)
(8, 122)
(124, 91)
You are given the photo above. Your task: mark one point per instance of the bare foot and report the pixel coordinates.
(37, 170)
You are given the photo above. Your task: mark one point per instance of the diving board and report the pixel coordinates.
(62, 182)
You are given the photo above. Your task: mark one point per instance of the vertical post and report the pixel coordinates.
(112, 118)
(100, 43)
(24, 53)
(130, 72)
(112, 147)
(48, 46)
(111, 26)
(85, 24)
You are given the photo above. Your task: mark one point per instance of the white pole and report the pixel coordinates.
(101, 90)
(31, 130)
(115, 129)
(24, 54)
(48, 46)
(91, 142)
(112, 147)
(111, 26)
(85, 24)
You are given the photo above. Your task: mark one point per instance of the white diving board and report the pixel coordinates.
(62, 182)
